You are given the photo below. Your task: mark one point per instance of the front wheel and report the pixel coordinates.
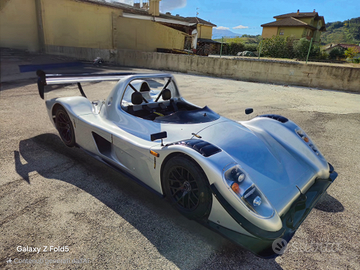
(187, 188)
(65, 127)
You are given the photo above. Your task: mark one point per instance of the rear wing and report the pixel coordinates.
(49, 79)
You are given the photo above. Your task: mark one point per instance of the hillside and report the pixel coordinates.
(342, 32)
(246, 39)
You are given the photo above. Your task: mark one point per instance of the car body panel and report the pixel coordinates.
(277, 159)
(275, 168)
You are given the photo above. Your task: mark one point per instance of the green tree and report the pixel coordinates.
(278, 47)
(342, 32)
(351, 52)
(301, 49)
(251, 47)
(337, 53)
(234, 48)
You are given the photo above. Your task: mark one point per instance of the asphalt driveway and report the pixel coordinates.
(91, 217)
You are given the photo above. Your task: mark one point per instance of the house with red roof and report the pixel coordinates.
(328, 48)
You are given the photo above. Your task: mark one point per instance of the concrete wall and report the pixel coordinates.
(146, 35)
(77, 24)
(71, 23)
(18, 25)
(268, 71)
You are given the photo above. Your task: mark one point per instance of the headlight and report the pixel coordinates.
(246, 191)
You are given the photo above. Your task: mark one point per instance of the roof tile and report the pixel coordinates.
(289, 22)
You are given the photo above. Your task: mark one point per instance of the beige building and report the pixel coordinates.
(298, 24)
(38, 24)
(204, 28)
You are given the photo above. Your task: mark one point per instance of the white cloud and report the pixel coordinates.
(240, 27)
(222, 28)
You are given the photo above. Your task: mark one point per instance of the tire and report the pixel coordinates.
(187, 188)
(65, 127)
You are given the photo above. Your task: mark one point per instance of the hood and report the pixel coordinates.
(274, 168)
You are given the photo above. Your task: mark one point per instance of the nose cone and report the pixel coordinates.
(275, 169)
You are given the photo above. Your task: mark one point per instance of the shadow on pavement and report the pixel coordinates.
(328, 203)
(173, 235)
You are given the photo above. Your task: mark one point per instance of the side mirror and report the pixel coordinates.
(249, 110)
(157, 136)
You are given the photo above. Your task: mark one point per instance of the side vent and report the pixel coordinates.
(276, 117)
(102, 144)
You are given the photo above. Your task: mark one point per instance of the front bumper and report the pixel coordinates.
(261, 243)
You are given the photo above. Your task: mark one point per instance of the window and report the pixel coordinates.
(281, 32)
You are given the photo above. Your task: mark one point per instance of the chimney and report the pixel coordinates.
(298, 12)
(314, 11)
(154, 9)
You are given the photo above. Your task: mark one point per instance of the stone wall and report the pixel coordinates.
(317, 75)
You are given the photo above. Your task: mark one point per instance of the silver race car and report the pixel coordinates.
(252, 181)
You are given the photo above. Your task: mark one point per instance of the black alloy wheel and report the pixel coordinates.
(187, 188)
(65, 127)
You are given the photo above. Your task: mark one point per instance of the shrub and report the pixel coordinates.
(234, 48)
(337, 53)
(278, 47)
(287, 47)
(351, 52)
(323, 55)
(301, 49)
(251, 47)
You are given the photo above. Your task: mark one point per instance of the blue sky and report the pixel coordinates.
(245, 17)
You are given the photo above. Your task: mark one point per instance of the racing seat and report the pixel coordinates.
(140, 110)
(136, 99)
(166, 95)
(145, 91)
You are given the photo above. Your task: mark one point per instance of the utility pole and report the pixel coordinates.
(260, 48)
(222, 41)
(309, 50)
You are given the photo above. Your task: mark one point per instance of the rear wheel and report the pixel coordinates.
(65, 127)
(187, 188)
